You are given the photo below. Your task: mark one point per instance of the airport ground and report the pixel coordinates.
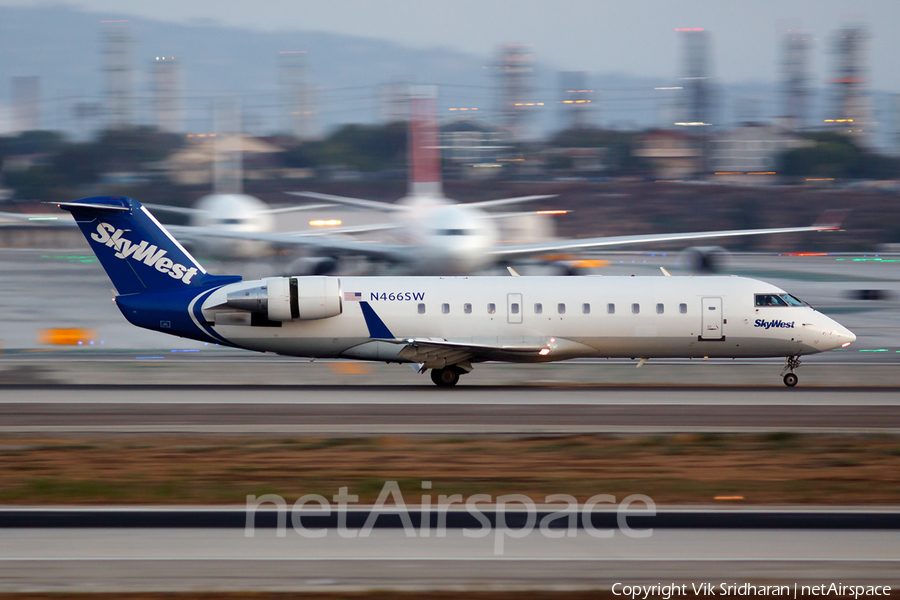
(728, 470)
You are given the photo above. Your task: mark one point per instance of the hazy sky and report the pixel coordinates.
(601, 36)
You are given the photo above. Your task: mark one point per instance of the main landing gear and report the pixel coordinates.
(790, 363)
(446, 377)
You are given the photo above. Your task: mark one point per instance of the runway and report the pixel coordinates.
(211, 559)
(412, 410)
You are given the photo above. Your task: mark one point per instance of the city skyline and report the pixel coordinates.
(636, 38)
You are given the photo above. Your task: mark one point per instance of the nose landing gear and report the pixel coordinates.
(790, 363)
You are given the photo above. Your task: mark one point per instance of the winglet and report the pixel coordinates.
(665, 271)
(832, 218)
(512, 271)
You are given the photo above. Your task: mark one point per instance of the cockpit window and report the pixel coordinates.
(453, 232)
(778, 300)
(793, 300)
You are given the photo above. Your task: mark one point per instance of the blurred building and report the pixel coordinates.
(228, 164)
(577, 106)
(698, 98)
(671, 154)
(394, 102)
(795, 77)
(196, 163)
(514, 69)
(852, 109)
(168, 94)
(26, 97)
(750, 150)
(748, 110)
(119, 77)
(299, 114)
(895, 124)
(471, 147)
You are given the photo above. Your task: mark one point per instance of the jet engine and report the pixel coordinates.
(704, 259)
(290, 298)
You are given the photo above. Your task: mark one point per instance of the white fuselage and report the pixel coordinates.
(640, 317)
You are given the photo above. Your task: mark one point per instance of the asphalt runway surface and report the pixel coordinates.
(217, 559)
(411, 410)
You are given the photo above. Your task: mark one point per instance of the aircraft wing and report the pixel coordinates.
(828, 221)
(372, 204)
(182, 210)
(527, 213)
(296, 208)
(346, 230)
(178, 210)
(340, 247)
(437, 353)
(505, 201)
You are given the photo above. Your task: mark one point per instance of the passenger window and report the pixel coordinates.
(514, 308)
(561, 309)
(538, 308)
(492, 308)
(586, 308)
(682, 308)
(445, 308)
(611, 309)
(660, 309)
(467, 308)
(636, 308)
(421, 309)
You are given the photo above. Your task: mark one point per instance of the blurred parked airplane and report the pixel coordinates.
(442, 237)
(436, 235)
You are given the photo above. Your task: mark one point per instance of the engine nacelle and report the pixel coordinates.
(704, 259)
(290, 298)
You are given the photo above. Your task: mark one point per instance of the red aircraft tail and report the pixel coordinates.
(424, 143)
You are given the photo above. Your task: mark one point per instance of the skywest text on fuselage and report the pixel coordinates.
(143, 252)
(774, 323)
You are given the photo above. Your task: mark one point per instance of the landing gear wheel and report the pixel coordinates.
(446, 377)
(790, 380)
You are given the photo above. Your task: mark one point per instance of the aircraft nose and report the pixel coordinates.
(849, 336)
(841, 336)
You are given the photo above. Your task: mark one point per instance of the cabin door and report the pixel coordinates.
(711, 319)
(514, 308)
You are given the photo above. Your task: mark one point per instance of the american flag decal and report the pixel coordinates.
(352, 296)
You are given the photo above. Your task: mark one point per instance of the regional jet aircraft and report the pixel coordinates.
(445, 325)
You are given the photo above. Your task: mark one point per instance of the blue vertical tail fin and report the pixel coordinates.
(138, 254)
